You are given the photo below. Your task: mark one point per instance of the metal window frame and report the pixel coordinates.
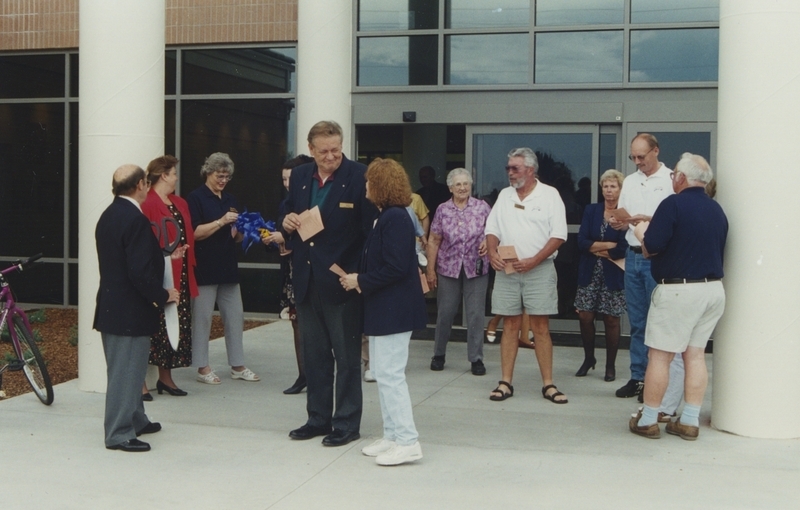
(532, 29)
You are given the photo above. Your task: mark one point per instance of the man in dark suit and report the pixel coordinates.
(330, 318)
(131, 292)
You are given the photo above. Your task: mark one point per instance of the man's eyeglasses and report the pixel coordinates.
(639, 158)
(514, 168)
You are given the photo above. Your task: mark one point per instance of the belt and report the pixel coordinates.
(667, 281)
(636, 249)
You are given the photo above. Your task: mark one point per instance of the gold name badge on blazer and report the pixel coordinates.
(346, 205)
(517, 206)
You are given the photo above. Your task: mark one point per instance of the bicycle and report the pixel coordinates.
(28, 358)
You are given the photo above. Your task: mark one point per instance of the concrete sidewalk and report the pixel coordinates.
(226, 446)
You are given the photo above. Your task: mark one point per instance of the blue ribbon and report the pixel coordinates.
(250, 225)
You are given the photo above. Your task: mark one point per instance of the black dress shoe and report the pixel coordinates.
(340, 437)
(150, 428)
(147, 397)
(297, 387)
(478, 368)
(308, 431)
(131, 445)
(175, 392)
(437, 363)
(631, 389)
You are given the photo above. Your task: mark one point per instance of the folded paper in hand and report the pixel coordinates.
(310, 223)
(341, 273)
(509, 255)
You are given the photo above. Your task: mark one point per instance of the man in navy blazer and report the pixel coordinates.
(330, 318)
(128, 306)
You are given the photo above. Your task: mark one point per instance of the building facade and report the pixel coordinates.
(445, 83)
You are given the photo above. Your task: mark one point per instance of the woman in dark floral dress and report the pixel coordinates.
(161, 207)
(601, 283)
(287, 292)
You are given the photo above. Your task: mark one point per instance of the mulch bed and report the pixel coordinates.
(58, 325)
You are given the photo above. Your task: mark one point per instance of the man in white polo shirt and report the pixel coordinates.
(528, 216)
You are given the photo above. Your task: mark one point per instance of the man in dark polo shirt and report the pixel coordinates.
(686, 241)
(329, 317)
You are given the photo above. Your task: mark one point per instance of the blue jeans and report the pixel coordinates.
(388, 358)
(639, 285)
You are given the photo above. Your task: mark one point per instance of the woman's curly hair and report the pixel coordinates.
(388, 184)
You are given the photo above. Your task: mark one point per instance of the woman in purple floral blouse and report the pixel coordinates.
(458, 266)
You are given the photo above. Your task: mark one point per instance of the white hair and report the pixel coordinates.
(695, 168)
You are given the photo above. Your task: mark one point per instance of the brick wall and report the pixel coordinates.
(38, 24)
(53, 24)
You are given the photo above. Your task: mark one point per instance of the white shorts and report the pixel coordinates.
(683, 315)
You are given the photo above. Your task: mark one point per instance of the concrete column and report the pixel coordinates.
(756, 389)
(121, 120)
(324, 68)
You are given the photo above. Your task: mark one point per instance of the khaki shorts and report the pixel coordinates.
(535, 290)
(683, 315)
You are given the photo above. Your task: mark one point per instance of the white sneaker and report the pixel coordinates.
(368, 377)
(378, 447)
(400, 455)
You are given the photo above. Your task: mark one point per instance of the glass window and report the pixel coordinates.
(261, 288)
(374, 15)
(384, 61)
(690, 54)
(73, 75)
(74, 177)
(170, 71)
(608, 160)
(672, 144)
(254, 70)
(564, 159)
(579, 12)
(32, 76)
(486, 59)
(169, 127)
(43, 283)
(674, 11)
(579, 57)
(487, 13)
(32, 193)
(255, 133)
(73, 285)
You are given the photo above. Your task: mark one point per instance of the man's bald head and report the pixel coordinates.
(126, 180)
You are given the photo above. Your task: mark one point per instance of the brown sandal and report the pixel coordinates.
(552, 397)
(503, 395)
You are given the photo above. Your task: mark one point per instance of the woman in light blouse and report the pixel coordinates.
(458, 266)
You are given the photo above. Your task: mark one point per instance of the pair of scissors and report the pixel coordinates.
(162, 234)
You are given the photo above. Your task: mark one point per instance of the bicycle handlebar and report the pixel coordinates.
(20, 265)
(31, 260)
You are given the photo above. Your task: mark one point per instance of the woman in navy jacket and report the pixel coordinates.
(394, 306)
(601, 283)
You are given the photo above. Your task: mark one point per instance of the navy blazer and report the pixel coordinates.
(389, 278)
(347, 218)
(131, 272)
(587, 235)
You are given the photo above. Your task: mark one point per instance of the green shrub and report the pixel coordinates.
(37, 316)
(72, 337)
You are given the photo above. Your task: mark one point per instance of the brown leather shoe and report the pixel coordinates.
(663, 417)
(666, 418)
(687, 432)
(650, 431)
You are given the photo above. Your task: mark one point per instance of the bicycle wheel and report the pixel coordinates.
(34, 367)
